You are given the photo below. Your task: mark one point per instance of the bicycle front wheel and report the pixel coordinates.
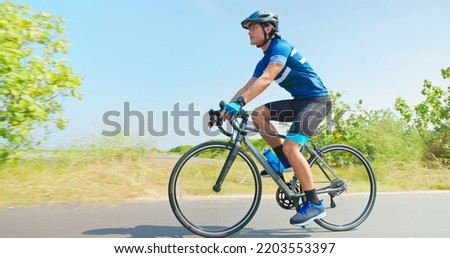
(208, 212)
(345, 168)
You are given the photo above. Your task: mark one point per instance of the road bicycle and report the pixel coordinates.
(215, 188)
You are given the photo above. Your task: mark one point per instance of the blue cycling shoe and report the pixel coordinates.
(307, 213)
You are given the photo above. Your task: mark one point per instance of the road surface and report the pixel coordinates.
(395, 215)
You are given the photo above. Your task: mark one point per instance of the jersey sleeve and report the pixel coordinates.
(280, 53)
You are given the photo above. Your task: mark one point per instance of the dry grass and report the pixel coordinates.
(110, 177)
(85, 179)
(404, 176)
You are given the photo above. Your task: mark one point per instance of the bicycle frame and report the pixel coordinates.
(241, 129)
(289, 193)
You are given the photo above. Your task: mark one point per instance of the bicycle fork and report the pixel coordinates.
(226, 167)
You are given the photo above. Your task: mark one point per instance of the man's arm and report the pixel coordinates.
(253, 88)
(256, 86)
(244, 89)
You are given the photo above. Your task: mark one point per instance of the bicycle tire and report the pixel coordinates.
(194, 203)
(358, 200)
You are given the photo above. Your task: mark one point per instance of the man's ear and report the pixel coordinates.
(268, 28)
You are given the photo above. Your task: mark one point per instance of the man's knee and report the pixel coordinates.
(259, 115)
(290, 147)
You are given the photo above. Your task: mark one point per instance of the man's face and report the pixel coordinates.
(256, 33)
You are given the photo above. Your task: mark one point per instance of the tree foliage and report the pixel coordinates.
(34, 76)
(346, 125)
(181, 149)
(431, 117)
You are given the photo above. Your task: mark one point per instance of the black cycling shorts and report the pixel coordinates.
(305, 115)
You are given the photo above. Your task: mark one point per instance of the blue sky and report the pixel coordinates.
(155, 54)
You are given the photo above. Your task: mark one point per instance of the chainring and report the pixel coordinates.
(283, 200)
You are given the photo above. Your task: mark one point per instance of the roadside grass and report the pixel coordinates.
(84, 176)
(412, 176)
(108, 176)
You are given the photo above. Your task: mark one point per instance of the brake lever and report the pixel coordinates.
(214, 118)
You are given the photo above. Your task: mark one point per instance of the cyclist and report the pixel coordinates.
(283, 64)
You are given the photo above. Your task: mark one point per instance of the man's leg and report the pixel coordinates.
(299, 164)
(302, 170)
(308, 117)
(313, 208)
(261, 120)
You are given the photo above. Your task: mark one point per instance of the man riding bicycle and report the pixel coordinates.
(310, 104)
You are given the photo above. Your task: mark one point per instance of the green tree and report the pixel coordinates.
(34, 76)
(378, 134)
(181, 149)
(431, 117)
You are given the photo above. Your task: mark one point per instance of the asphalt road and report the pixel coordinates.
(395, 215)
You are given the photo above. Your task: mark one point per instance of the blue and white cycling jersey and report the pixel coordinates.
(297, 76)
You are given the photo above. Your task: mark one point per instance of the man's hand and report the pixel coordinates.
(231, 110)
(214, 117)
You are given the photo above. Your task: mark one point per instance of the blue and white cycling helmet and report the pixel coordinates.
(263, 18)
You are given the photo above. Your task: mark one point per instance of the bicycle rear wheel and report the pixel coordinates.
(349, 207)
(204, 211)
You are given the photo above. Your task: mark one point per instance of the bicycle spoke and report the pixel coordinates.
(199, 207)
(348, 170)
